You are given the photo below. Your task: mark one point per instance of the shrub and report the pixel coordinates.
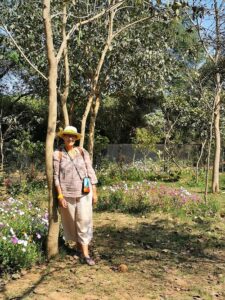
(112, 202)
(25, 186)
(109, 174)
(23, 231)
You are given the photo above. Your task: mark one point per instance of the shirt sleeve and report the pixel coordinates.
(56, 163)
(90, 170)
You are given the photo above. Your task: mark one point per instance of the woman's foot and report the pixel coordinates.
(89, 261)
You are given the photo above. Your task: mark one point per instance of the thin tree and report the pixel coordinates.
(211, 38)
(52, 244)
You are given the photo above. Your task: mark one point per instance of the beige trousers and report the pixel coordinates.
(77, 219)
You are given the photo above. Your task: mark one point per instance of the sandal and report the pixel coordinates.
(89, 261)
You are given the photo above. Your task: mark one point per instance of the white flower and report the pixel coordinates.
(12, 231)
(23, 249)
(23, 242)
(44, 221)
(4, 238)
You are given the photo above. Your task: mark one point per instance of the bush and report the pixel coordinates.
(112, 203)
(23, 231)
(15, 188)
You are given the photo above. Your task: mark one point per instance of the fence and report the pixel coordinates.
(127, 152)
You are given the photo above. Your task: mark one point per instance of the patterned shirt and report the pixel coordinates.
(69, 172)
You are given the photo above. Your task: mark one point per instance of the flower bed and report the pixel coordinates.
(23, 231)
(146, 196)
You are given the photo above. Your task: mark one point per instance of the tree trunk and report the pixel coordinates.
(93, 92)
(63, 99)
(1, 144)
(216, 163)
(71, 113)
(199, 159)
(84, 119)
(64, 95)
(52, 243)
(209, 153)
(94, 113)
(96, 76)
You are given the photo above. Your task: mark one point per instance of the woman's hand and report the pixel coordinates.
(94, 195)
(63, 203)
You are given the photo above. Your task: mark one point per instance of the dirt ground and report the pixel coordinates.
(166, 258)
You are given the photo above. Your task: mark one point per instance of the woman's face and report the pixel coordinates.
(69, 139)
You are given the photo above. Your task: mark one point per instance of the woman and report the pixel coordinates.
(71, 165)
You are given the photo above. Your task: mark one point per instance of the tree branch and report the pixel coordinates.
(129, 25)
(21, 96)
(23, 54)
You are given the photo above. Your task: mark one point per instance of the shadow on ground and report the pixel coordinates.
(162, 240)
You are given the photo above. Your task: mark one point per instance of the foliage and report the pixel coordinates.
(141, 62)
(23, 231)
(26, 152)
(22, 125)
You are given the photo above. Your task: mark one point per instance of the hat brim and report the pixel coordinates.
(62, 133)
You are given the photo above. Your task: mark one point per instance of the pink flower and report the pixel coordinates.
(14, 240)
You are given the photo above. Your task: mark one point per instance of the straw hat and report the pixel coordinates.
(69, 130)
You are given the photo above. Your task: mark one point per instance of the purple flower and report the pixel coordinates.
(14, 240)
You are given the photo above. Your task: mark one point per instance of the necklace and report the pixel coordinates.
(72, 153)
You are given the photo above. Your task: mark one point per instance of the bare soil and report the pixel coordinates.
(165, 258)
